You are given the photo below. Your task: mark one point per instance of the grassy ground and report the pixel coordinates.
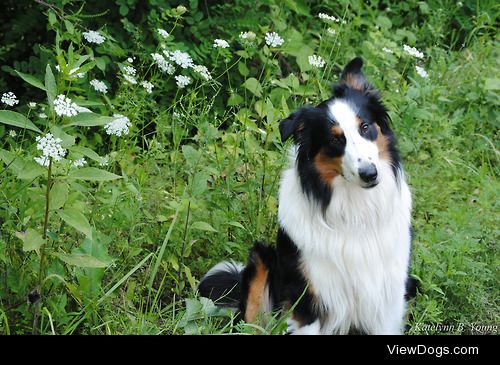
(199, 171)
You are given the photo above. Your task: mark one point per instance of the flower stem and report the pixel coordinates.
(42, 249)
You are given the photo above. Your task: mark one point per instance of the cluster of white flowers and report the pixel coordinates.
(93, 37)
(328, 18)
(387, 50)
(182, 81)
(183, 59)
(247, 36)
(202, 71)
(163, 33)
(147, 86)
(78, 75)
(273, 39)
(331, 31)
(50, 147)
(119, 126)
(32, 105)
(412, 51)
(12, 133)
(421, 72)
(64, 106)
(163, 64)
(129, 73)
(220, 43)
(316, 61)
(99, 86)
(104, 161)
(9, 98)
(80, 162)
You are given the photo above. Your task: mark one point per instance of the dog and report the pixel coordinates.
(341, 261)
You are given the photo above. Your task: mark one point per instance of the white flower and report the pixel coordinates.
(387, 50)
(119, 126)
(50, 147)
(12, 133)
(130, 60)
(9, 98)
(104, 161)
(32, 105)
(81, 109)
(182, 81)
(163, 33)
(247, 36)
(316, 61)
(274, 40)
(328, 18)
(42, 116)
(163, 64)
(422, 72)
(80, 162)
(129, 70)
(64, 106)
(58, 68)
(181, 58)
(78, 75)
(129, 79)
(148, 86)
(331, 31)
(412, 51)
(220, 43)
(99, 86)
(93, 37)
(202, 71)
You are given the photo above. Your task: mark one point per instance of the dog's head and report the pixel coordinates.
(345, 137)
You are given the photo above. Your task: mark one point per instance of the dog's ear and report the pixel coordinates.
(289, 125)
(353, 77)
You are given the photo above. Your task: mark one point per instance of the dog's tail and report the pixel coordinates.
(247, 289)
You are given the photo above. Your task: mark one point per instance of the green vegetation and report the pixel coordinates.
(113, 234)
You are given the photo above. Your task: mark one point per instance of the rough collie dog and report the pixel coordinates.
(343, 247)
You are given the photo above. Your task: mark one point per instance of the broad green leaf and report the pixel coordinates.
(203, 226)
(199, 184)
(58, 195)
(81, 260)
(189, 277)
(298, 6)
(92, 174)
(234, 99)
(67, 139)
(100, 62)
(76, 220)
(90, 120)
(22, 168)
(191, 155)
(254, 86)
(52, 18)
(236, 224)
(69, 26)
(85, 68)
(32, 80)
(50, 87)
(243, 69)
(492, 84)
(17, 120)
(32, 240)
(86, 152)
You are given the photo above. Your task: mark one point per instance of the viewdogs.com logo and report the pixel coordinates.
(459, 328)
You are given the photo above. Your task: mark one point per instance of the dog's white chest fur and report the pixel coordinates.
(356, 256)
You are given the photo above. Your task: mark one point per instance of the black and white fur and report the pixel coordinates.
(343, 245)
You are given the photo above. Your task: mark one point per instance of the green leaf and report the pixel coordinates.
(50, 87)
(67, 140)
(254, 86)
(92, 174)
(492, 84)
(32, 240)
(52, 18)
(81, 260)
(384, 22)
(234, 99)
(190, 277)
(85, 68)
(199, 184)
(90, 120)
(76, 220)
(32, 80)
(191, 155)
(69, 26)
(203, 226)
(24, 169)
(100, 62)
(243, 69)
(17, 120)
(86, 152)
(58, 195)
(236, 224)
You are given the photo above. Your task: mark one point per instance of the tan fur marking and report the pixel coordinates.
(328, 167)
(382, 144)
(256, 292)
(337, 131)
(355, 81)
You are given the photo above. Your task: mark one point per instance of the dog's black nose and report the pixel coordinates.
(368, 173)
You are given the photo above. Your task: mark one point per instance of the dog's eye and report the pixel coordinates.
(364, 128)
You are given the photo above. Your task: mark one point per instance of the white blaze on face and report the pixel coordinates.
(358, 150)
